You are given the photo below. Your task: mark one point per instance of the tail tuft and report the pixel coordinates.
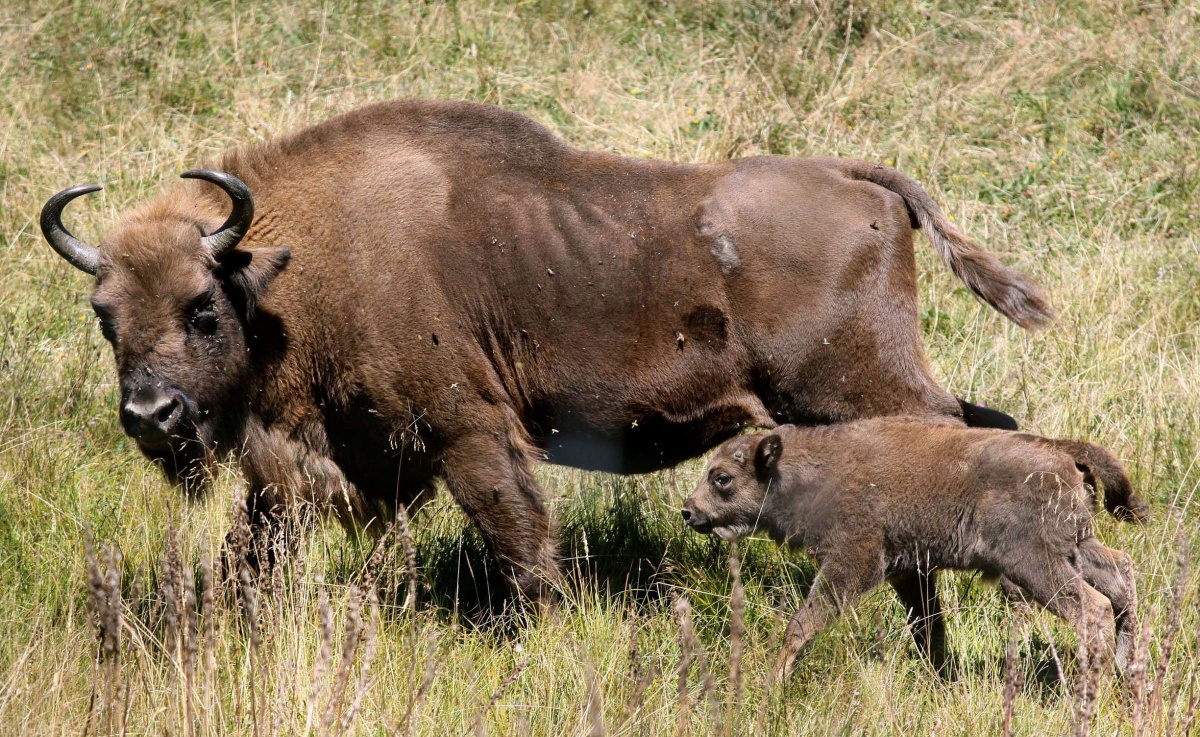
(1008, 291)
(1098, 463)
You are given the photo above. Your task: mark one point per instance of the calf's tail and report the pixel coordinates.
(1098, 463)
(1008, 291)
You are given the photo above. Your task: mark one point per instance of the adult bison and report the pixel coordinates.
(424, 289)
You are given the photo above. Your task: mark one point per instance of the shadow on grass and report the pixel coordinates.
(1043, 681)
(622, 545)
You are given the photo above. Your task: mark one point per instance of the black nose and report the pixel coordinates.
(687, 515)
(151, 415)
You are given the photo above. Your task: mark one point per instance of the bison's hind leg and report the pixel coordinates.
(975, 415)
(487, 470)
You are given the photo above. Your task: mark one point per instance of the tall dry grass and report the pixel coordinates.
(1062, 135)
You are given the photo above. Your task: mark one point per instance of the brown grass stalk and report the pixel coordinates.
(351, 640)
(760, 725)
(410, 557)
(1137, 675)
(324, 655)
(641, 675)
(1162, 704)
(1014, 679)
(687, 649)
(1091, 663)
(106, 605)
(737, 631)
(208, 635)
(432, 661)
(478, 727)
(370, 641)
(594, 708)
(248, 597)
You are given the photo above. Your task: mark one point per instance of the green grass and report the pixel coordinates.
(1062, 135)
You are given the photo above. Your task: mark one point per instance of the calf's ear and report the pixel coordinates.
(247, 274)
(766, 458)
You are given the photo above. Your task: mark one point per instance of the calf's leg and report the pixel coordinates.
(1111, 573)
(1061, 589)
(918, 594)
(487, 472)
(838, 585)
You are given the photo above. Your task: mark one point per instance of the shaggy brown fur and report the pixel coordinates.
(897, 499)
(466, 293)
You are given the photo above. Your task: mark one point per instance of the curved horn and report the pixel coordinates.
(225, 238)
(77, 253)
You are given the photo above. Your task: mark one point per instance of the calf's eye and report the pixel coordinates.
(722, 480)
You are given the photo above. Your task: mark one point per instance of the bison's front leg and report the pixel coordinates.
(264, 531)
(291, 484)
(488, 474)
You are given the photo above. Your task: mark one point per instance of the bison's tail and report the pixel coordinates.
(1098, 463)
(1010, 292)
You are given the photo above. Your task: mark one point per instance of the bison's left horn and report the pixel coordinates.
(225, 238)
(76, 252)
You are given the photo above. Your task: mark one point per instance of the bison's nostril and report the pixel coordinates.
(163, 415)
(686, 514)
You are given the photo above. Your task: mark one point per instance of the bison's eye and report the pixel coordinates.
(107, 324)
(722, 480)
(203, 316)
(108, 331)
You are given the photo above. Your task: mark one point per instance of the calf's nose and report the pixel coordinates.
(687, 514)
(151, 415)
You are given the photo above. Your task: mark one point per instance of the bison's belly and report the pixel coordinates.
(651, 443)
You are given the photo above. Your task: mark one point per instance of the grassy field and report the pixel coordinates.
(1064, 135)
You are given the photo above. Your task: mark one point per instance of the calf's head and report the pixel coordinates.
(729, 499)
(175, 296)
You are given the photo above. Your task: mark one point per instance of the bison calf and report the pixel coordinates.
(895, 500)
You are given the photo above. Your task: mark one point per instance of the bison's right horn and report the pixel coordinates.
(225, 238)
(77, 253)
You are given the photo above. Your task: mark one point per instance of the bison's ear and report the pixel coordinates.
(247, 274)
(766, 458)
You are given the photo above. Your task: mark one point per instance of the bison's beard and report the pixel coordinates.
(187, 460)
